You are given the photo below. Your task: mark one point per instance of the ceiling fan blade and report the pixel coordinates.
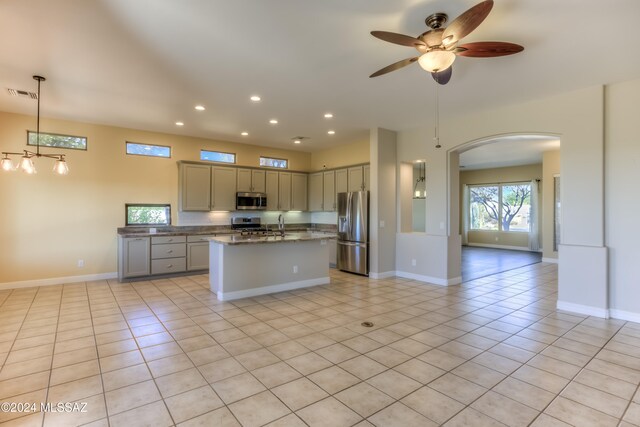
(396, 38)
(394, 66)
(488, 49)
(467, 22)
(442, 77)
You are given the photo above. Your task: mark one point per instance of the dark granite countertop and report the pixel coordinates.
(203, 230)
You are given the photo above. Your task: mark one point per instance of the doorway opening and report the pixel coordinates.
(506, 202)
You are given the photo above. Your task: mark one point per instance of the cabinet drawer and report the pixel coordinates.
(195, 239)
(168, 265)
(158, 240)
(171, 250)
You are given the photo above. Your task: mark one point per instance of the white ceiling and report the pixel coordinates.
(144, 64)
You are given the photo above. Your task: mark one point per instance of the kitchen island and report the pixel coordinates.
(247, 266)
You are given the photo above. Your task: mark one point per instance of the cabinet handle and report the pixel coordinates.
(170, 251)
(170, 266)
(139, 238)
(169, 240)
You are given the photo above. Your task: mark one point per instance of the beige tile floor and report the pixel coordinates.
(491, 352)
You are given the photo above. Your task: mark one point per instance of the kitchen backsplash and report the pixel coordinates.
(224, 218)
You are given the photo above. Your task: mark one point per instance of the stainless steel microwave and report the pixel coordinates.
(251, 201)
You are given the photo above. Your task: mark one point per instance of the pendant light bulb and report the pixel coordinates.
(7, 164)
(26, 164)
(60, 167)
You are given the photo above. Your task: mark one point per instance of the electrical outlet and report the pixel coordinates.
(442, 226)
(80, 263)
(295, 269)
(381, 223)
(496, 239)
(413, 262)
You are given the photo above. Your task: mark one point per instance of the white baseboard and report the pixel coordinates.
(281, 287)
(583, 309)
(550, 260)
(57, 281)
(624, 315)
(429, 279)
(511, 248)
(383, 275)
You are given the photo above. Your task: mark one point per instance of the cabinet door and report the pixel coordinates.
(315, 192)
(355, 178)
(271, 188)
(258, 181)
(365, 178)
(284, 191)
(195, 187)
(135, 256)
(342, 181)
(223, 188)
(244, 180)
(299, 192)
(197, 256)
(329, 191)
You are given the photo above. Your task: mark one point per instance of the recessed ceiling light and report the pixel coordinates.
(273, 121)
(332, 132)
(255, 98)
(200, 107)
(328, 116)
(179, 124)
(296, 141)
(245, 134)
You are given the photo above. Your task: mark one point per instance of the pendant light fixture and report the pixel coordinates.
(26, 162)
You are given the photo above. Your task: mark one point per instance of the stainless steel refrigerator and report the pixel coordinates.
(353, 232)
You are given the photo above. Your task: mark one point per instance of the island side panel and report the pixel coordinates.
(216, 266)
(242, 271)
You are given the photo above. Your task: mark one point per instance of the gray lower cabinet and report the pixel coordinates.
(134, 256)
(197, 253)
(168, 254)
(148, 256)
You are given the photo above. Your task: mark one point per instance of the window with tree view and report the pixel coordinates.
(56, 140)
(504, 207)
(148, 214)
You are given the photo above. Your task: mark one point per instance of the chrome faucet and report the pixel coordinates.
(281, 224)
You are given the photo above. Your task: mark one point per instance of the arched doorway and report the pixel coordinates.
(503, 189)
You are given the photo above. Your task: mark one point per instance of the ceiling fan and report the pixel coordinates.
(439, 46)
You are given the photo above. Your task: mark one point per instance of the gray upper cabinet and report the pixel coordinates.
(342, 181)
(223, 188)
(251, 180)
(356, 179)
(284, 191)
(329, 191)
(271, 188)
(365, 179)
(195, 187)
(298, 192)
(315, 192)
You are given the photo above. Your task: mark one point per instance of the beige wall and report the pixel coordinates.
(493, 176)
(550, 168)
(49, 222)
(577, 118)
(342, 155)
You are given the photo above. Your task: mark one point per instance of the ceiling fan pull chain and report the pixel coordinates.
(437, 127)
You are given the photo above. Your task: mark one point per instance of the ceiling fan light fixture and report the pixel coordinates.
(436, 60)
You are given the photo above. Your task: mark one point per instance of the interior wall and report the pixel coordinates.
(622, 154)
(550, 169)
(524, 173)
(382, 212)
(342, 155)
(49, 222)
(575, 117)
